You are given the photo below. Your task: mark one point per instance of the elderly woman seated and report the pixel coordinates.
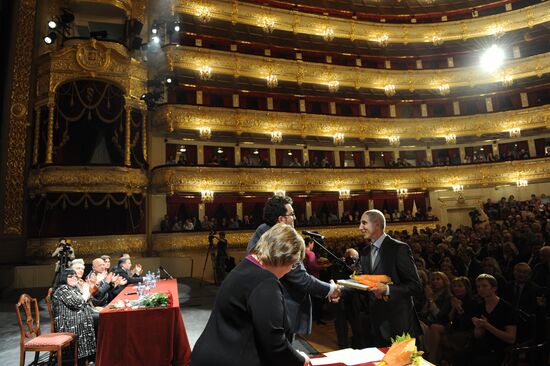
(248, 325)
(72, 313)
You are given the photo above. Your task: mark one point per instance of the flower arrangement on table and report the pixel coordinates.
(156, 300)
(402, 352)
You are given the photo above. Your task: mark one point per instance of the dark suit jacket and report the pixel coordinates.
(132, 280)
(298, 285)
(527, 300)
(397, 315)
(248, 325)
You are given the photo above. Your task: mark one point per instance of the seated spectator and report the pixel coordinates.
(541, 272)
(295, 162)
(73, 314)
(522, 293)
(188, 225)
(434, 315)
(123, 270)
(166, 224)
(182, 160)
(171, 160)
(177, 226)
(459, 330)
(107, 261)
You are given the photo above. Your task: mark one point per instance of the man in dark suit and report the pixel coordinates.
(299, 285)
(390, 305)
(123, 270)
(522, 292)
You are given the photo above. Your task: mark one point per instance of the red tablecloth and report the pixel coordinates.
(143, 336)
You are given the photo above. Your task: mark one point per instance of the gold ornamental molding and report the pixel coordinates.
(175, 179)
(166, 243)
(230, 63)
(188, 117)
(12, 184)
(88, 247)
(89, 179)
(84, 59)
(331, 27)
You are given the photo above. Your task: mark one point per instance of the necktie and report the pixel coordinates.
(373, 255)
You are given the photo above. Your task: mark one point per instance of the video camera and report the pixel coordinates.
(211, 235)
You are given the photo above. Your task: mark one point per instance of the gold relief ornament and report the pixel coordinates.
(239, 64)
(294, 21)
(191, 179)
(188, 117)
(87, 247)
(12, 183)
(93, 57)
(87, 179)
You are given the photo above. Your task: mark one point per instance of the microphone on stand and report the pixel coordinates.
(166, 272)
(313, 235)
(318, 238)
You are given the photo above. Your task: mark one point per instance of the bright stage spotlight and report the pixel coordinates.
(52, 24)
(492, 58)
(50, 38)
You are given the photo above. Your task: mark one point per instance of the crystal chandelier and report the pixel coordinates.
(344, 194)
(205, 72)
(436, 40)
(450, 139)
(338, 139)
(383, 40)
(204, 13)
(279, 192)
(389, 90)
(267, 24)
(402, 192)
(515, 132)
(508, 80)
(444, 89)
(458, 188)
(272, 80)
(333, 86)
(276, 137)
(328, 33)
(522, 183)
(207, 196)
(205, 133)
(394, 141)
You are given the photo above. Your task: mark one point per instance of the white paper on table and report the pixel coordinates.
(349, 357)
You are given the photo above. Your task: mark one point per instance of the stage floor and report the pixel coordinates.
(195, 302)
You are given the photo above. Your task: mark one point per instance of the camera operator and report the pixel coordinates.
(221, 254)
(64, 254)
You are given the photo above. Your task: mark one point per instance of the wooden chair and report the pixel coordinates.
(31, 338)
(48, 300)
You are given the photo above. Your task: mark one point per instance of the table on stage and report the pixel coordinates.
(154, 336)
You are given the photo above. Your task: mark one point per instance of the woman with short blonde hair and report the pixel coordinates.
(248, 325)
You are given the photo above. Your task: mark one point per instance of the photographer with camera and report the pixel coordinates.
(221, 257)
(64, 254)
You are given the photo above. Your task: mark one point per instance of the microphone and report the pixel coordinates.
(318, 238)
(313, 235)
(166, 272)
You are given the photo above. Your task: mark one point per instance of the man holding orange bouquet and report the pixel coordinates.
(391, 307)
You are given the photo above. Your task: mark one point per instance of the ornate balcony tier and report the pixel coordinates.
(230, 63)
(80, 59)
(87, 179)
(168, 243)
(297, 22)
(187, 117)
(88, 247)
(132, 8)
(195, 179)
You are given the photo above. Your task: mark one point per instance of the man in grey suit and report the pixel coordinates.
(299, 285)
(391, 306)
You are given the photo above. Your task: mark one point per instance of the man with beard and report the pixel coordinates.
(299, 285)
